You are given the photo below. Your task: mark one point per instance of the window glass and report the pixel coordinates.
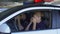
(31, 21)
(55, 19)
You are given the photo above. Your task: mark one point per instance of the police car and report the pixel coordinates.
(50, 11)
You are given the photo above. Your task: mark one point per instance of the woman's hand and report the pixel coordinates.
(34, 21)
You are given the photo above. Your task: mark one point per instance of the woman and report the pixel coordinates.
(36, 22)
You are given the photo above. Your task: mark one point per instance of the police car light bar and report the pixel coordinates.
(37, 1)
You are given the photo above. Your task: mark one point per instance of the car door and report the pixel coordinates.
(48, 10)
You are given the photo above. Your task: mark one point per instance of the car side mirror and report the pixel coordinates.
(4, 28)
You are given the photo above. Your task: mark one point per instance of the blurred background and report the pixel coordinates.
(5, 4)
(12, 3)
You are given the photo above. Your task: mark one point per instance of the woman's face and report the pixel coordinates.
(37, 16)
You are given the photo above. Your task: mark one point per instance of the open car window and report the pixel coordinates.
(31, 18)
(26, 21)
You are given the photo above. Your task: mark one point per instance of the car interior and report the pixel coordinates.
(20, 22)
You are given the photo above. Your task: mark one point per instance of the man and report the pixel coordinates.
(21, 22)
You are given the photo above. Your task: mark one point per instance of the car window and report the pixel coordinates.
(31, 21)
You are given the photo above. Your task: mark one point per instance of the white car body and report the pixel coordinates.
(5, 28)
